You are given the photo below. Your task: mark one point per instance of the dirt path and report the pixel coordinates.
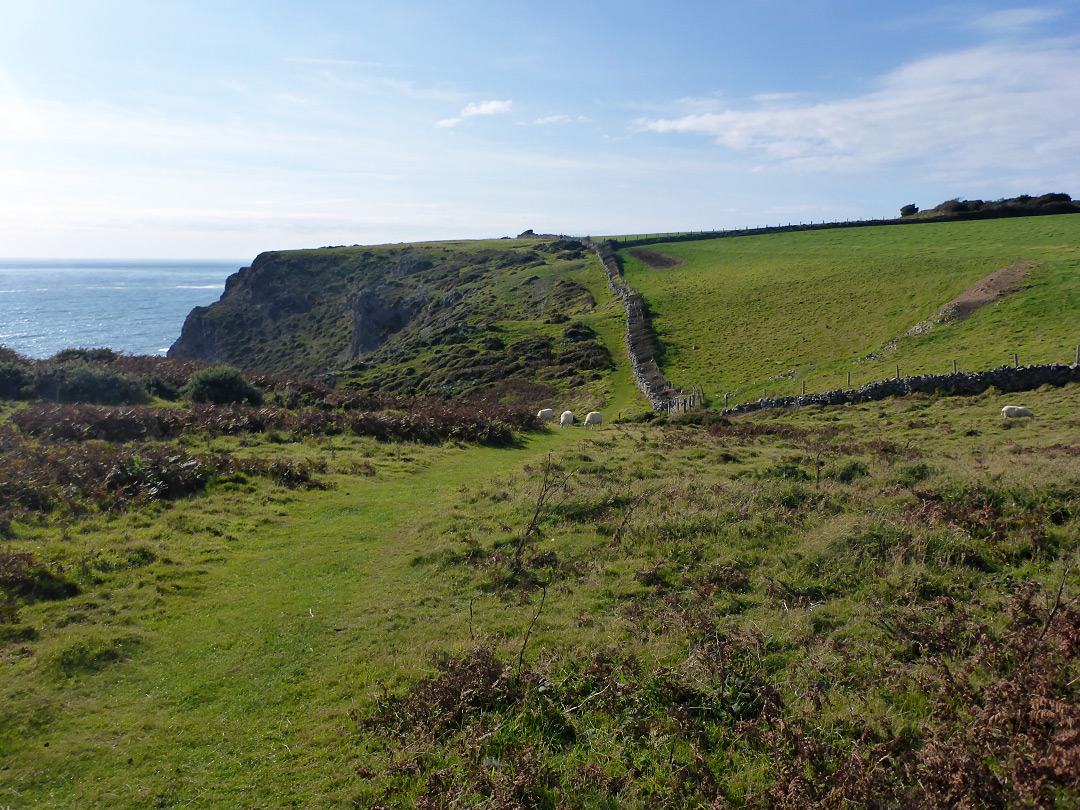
(998, 284)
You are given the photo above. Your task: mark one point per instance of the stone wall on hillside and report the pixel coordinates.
(1008, 379)
(641, 345)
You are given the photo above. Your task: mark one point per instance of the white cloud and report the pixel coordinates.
(486, 108)
(983, 108)
(553, 119)
(473, 109)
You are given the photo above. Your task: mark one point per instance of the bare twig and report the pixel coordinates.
(521, 655)
(1051, 613)
(586, 700)
(627, 515)
(548, 486)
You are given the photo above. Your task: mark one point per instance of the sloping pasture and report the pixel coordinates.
(742, 314)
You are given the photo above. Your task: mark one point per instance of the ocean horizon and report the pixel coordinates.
(133, 306)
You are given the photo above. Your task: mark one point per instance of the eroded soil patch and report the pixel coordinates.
(998, 284)
(654, 260)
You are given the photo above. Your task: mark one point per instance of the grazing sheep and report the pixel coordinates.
(1015, 412)
(594, 418)
(566, 419)
(546, 415)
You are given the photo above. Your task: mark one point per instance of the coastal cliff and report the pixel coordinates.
(453, 317)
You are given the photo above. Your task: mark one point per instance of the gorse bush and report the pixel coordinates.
(221, 385)
(16, 380)
(79, 381)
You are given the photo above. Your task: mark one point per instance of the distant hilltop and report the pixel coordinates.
(1022, 206)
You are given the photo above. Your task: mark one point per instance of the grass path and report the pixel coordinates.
(238, 695)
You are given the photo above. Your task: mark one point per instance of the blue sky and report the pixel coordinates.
(220, 129)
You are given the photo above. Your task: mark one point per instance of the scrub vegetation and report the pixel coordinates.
(873, 604)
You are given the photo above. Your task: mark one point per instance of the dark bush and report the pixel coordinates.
(158, 386)
(79, 381)
(221, 385)
(16, 380)
(85, 356)
(846, 473)
(22, 577)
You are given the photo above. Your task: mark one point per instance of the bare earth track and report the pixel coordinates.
(998, 284)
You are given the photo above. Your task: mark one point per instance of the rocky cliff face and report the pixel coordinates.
(375, 318)
(286, 313)
(413, 319)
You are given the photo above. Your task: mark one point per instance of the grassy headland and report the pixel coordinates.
(524, 320)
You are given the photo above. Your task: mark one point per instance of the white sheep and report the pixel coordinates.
(594, 418)
(1015, 412)
(566, 420)
(546, 415)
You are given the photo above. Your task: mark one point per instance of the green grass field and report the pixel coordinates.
(771, 312)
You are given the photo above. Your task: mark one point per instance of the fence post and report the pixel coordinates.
(1078, 354)
(954, 366)
(849, 379)
(1016, 361)
(804, 388)
(898, 372)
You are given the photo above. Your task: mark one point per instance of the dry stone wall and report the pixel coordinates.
(641, 345)
(1008, 379)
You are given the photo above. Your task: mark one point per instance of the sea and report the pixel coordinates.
(133, 306)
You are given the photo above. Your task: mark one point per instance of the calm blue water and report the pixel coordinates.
(129, 305)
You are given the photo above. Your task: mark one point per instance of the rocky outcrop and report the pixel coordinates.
(374, 318)
(306, 312)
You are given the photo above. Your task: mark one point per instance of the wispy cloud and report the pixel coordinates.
(1015, 20)
(548, 120)
(307, 60)
(409, 89)
(477, 108)
(980, 108)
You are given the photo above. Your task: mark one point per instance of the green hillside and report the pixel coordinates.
(741, 314)
(247, 590)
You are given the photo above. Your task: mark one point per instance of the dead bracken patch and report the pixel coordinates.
(654, 260)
